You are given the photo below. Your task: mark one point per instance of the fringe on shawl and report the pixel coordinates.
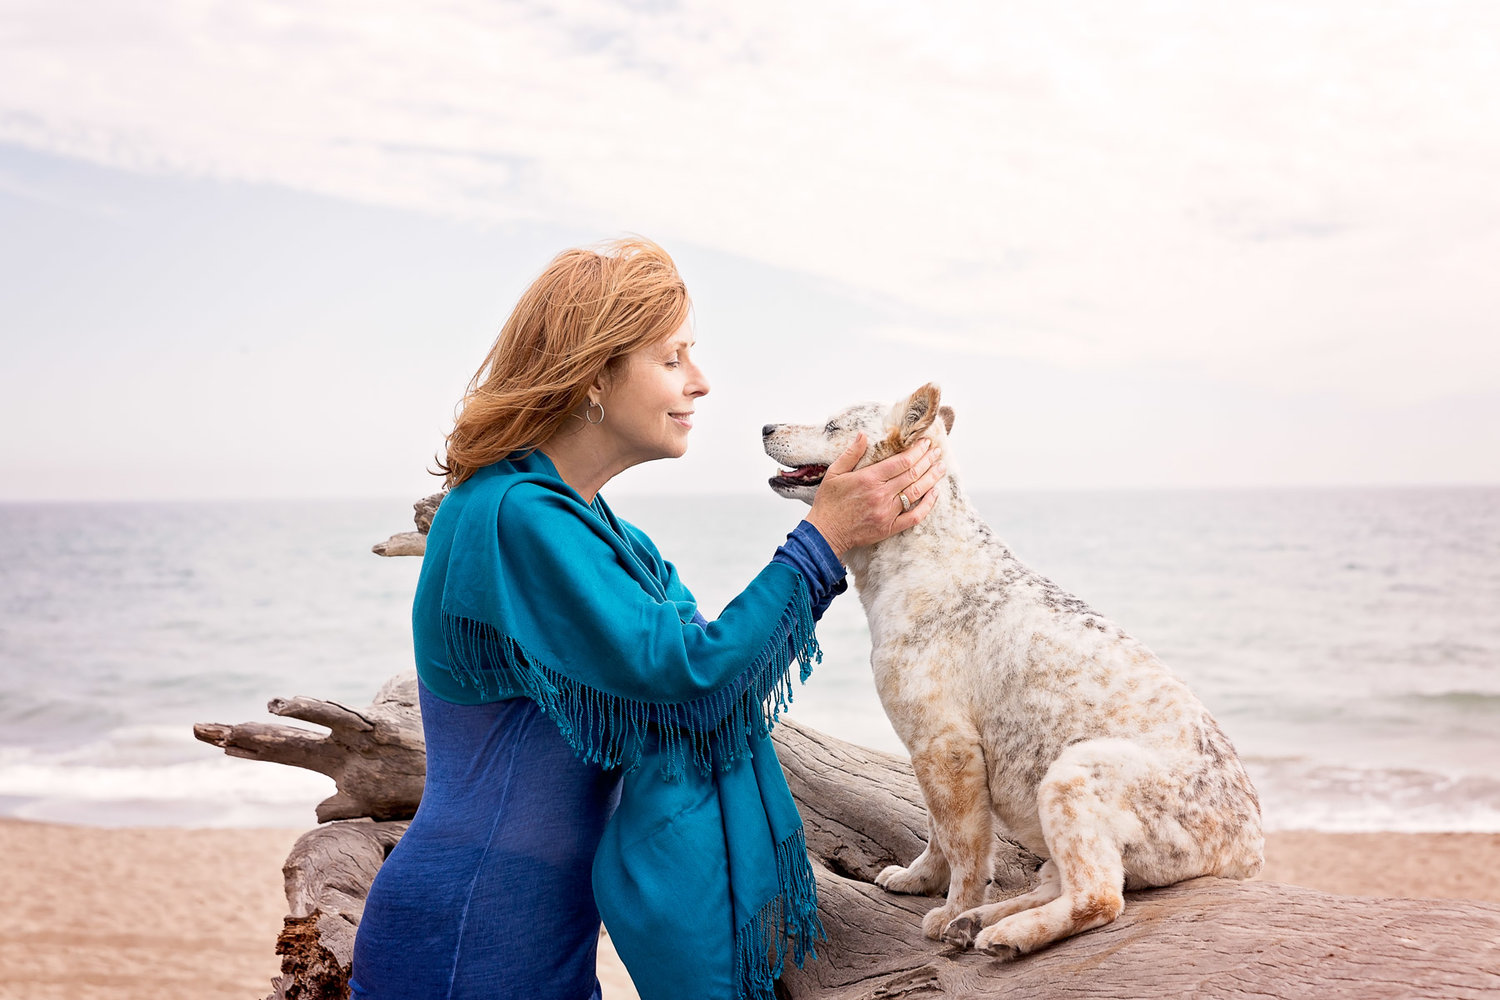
(611, 731)
(788, 924)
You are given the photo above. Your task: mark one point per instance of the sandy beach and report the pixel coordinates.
(163, 913)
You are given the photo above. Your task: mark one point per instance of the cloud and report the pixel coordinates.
(1294, 195)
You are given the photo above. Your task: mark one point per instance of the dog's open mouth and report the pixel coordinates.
(802, 475)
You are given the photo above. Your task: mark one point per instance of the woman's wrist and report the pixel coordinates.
(817, 546)
(826, 532)
(808, 552)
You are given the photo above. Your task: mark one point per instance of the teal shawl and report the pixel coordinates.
(702, 875)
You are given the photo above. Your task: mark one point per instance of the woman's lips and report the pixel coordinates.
(685, 419)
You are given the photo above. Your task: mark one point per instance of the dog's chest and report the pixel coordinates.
(935, 633)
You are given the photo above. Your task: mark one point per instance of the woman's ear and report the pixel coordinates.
(599, 388)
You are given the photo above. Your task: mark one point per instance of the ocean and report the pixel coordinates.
(1347, 640)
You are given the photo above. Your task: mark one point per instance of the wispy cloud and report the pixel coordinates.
(1295, 195)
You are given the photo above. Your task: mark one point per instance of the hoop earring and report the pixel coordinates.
(588, 413)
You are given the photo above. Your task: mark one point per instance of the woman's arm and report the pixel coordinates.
(576, 619)
(806, 551)
(596, 599)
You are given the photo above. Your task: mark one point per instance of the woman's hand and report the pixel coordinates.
(855, 508)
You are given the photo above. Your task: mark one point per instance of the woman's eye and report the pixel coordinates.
(673, 363)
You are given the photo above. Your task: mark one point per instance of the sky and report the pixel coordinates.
(258, 249)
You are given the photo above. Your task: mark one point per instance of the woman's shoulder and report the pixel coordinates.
(631, 534)
(515, 508)
(518, 486)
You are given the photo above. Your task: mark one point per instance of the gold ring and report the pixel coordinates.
(905, 503)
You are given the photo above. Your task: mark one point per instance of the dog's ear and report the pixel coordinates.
(917, 415)
(946, 412)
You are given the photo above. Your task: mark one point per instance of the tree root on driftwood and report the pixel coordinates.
(412, 543)
(377, 757)
(862, 811)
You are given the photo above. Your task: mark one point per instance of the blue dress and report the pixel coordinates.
(488, 894)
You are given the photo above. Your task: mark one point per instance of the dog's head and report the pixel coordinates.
(808, 450)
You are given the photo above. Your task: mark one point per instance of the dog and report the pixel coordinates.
(1019, 703)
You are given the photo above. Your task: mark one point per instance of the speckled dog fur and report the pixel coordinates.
(1018, 702)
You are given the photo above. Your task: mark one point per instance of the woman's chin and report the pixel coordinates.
(676, 450)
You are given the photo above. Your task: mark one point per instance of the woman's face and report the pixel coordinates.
(649, 403)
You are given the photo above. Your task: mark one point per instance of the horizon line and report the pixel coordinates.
(746, 494)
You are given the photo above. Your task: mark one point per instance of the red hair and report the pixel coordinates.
(586, 312)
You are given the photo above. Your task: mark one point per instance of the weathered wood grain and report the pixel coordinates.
(412, 543)
(405, 543)
(376, 756)
(424, 509)
(327, 877)
(1209, 938)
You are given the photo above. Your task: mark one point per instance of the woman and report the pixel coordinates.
(594, 744)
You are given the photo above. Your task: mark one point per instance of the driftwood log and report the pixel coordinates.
(376, 756)
(862, 810)
(327, 877)
(411, 543)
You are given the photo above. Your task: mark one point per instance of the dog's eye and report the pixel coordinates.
(831, 428)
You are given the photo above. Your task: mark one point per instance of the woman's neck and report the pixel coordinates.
(581, 462)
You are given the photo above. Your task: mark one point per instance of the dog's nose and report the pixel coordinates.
(768, 430)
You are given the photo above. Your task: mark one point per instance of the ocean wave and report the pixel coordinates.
(214, 791)
(1299, 794)
(1462, 701)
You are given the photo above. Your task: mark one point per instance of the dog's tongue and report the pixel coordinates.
(807, 472)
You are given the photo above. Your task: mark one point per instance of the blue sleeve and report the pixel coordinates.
(808, 552)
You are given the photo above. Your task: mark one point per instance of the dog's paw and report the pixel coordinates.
(961, 931)
(927, 875)
(902, 880)
(937, 921)
(994, 945)
(1000, 950)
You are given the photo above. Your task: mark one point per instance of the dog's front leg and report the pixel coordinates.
(951, 771)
